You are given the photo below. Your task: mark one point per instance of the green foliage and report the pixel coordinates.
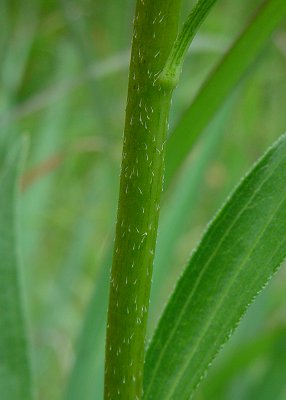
(240, 251)
(15, 375)
(63, 78)
(87, 374)
(222, 81)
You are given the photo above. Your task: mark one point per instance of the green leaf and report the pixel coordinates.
(86, 379)
(221, 82)
(15, 382)
(242, 248)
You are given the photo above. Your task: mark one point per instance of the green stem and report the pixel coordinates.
(148, 104)
(173, 66)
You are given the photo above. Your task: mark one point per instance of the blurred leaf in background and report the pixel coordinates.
(15, 366)
(63, 71)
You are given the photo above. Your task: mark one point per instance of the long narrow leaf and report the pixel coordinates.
(242, 248)
(221, 82)
(15, 382)
(86, 379)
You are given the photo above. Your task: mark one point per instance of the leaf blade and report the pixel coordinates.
(214, 291)
(86, 378)
(15, 375)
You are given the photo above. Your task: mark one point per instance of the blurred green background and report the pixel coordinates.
(64, 72)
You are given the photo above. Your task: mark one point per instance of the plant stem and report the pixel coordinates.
(148, 104)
